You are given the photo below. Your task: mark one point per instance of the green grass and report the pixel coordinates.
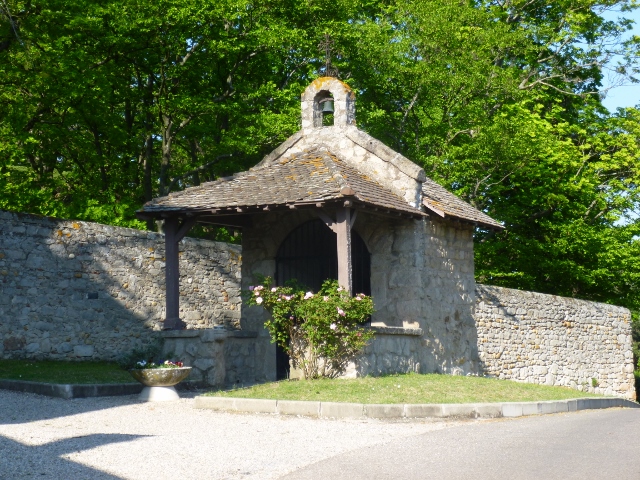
(49, 371)
(412, 388)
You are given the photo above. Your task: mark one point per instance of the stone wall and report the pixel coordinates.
(449, 340)
(392, 349)
(422, 279)
(78, 290)
(72, 290)
(549, 340)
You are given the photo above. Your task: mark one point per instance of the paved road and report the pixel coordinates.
(121, 438)
(601, 444)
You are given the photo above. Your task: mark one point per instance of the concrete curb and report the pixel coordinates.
(357, 410)
(72, 390)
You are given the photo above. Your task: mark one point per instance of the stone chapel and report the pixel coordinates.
(334, 202)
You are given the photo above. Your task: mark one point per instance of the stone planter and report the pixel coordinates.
(159, 382)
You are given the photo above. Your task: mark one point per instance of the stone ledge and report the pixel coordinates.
(382, 411)
(242, 334)
(416, 332)
(180, 333)
(68, 391)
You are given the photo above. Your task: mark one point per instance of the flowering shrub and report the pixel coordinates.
(143, 364)
(320, 332)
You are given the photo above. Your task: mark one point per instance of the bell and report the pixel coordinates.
(327, 106)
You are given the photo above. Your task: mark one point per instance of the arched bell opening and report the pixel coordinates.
(309, 255)
(323, 109)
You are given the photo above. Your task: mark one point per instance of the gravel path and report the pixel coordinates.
(122, 438)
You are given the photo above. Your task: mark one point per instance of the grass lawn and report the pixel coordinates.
(49, 371)
(411, 388)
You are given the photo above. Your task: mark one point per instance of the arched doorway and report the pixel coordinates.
(309, 254)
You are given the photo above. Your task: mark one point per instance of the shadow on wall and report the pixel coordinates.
(78, 290)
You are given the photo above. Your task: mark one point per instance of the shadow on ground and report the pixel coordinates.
(45, 461)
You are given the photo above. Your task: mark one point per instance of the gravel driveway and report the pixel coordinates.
(122, 438)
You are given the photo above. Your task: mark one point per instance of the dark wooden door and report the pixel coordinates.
(309, 255)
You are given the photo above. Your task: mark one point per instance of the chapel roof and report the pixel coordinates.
(440, 201)
(308, 177)
(321, 165)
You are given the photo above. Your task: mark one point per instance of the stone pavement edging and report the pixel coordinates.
(359, 410)
(68, 391)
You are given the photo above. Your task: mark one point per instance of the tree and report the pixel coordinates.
(105, 106)
(151, 98)
(496, 100)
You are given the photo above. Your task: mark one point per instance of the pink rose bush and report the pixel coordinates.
(320, 332)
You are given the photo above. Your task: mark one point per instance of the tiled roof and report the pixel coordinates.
(304, 178)
(445, 204)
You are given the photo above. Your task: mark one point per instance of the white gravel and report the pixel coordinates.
(123, 438)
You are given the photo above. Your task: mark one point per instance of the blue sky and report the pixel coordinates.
(626, 95)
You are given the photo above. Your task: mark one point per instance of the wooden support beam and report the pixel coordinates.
(354, 214)
(174, 231)
(343, 231)
(234, 221)
(328, 221)
(185, 227)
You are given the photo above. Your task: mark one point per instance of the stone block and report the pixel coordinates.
(83, 350)
(14, 343)
(531, 408)
(341, 410)
(213, 335)
(214, 403)
(293, 407)
(511, 409)
(488, 410)
(44, 326)
(215, 376)
(203, 363)
(191, 349)
(458, 410)
(384, 411)
(423, 410)
(45, 345)
(251, 405)
(33, 347)
(545, 408)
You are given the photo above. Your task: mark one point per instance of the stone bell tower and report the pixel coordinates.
(328, 88)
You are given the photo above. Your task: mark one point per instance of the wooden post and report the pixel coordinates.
(173, 233)
(343, 232)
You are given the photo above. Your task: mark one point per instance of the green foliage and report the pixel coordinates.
(321, 332)
(107, 105)
(498, 102)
